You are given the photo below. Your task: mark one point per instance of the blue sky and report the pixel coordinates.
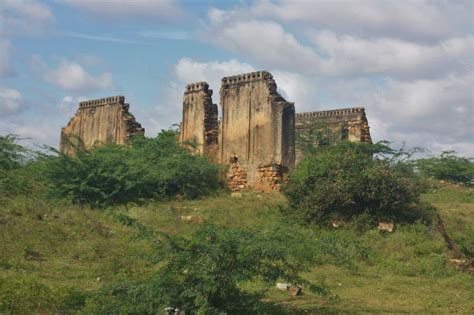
(410, 63)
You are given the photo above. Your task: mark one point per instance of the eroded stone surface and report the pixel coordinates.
(257, 129)
(200, 125)
(100, 121)
(346, 124)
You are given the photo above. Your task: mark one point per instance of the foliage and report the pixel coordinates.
(13, 158)
(448, 166)
(202, 274)
(316, 135)
(81, 245)
(155, 168)
(348, 179)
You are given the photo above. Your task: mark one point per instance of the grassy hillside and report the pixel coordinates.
(50, 254)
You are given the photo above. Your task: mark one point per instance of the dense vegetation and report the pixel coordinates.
(448, 166)
(101, 232)
(351, 179)
(153, 168)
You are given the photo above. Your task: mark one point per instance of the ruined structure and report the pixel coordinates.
(344, 124)
(100, 121)
(257, 131)
(199, 128)
(256, 135)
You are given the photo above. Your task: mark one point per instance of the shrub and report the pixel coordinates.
(24, 295)
(348, 179)
(13, 158)
(150, 169)
(448, 167)
(203, 274)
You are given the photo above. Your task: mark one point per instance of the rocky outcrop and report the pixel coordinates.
(100, 121)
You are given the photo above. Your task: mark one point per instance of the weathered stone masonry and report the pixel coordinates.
(100, 121)
(200, 125)
(255, 137)
(348, 123)
(257, 131)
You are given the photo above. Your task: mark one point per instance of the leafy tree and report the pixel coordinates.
(448, 166)
(154, 168)
(13, 158)
(349, 179)
(204, 274)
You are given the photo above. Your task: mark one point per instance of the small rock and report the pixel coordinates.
(236, 195)
(386, 226)
(283, 286)
(337, 224)
(192, 219)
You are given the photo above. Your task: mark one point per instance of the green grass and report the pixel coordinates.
(47, 250)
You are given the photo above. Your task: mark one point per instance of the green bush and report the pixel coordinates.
(24, 295)
(203, 274)
(155, 168)
(349, 179)
(448, 167)
(14, 180)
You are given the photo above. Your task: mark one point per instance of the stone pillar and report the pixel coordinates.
(199, 129)
(257, 131)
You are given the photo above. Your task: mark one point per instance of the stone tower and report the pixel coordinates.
(100, 121)
(200, 125)
(257, 131)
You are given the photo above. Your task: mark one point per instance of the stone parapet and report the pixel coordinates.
(196, 87)
(335, 112)
(102, 102)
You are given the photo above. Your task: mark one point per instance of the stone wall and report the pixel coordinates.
(345, 124)
(100, 121)
(200, 125)
(256, 130)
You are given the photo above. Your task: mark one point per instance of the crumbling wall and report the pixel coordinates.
(257, 130)
(345, 124)
(100, 121)
(200, 124)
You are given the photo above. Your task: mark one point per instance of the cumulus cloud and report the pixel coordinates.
(188, 71)
(11, 101)
(71, 76)
(68, 105)
(27, 17)
(349, 55)
(140, 9)
(264, 42)
(410, 19)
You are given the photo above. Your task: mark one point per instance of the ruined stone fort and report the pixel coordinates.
(255, 135)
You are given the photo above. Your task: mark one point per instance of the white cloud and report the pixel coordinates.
(6, 68)
(349, 55)
(264, 42)
(28, 17)
(71, 76)
(69, 104)
(140, 9)
(409, 19)
(189, 71)
(11, 101)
